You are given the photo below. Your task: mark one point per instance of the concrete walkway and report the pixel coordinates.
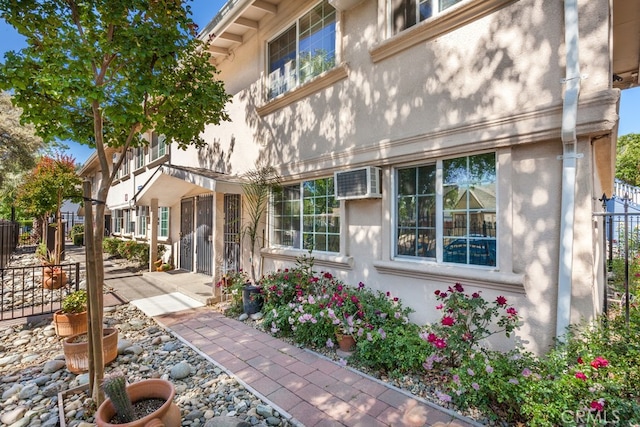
(302, 385)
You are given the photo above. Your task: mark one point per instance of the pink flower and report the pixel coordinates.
(526, 372)
(448, 321)
(475, 386)
(439, 307)
(489, 369)
(599, 362)
(597, 405)
(458, 287)
(512, 312)
(501, 300)
(475, 295)
(581, 376)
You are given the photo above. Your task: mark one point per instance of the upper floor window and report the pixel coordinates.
(139, 157)
(158, 146)
(407, 13)
(304, 50)
(455, 224)
(307, 216)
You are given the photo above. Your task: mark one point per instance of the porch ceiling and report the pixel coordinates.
(170, 183)
(626, 43)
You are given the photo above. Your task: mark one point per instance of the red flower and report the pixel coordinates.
(580, 361)
(597, 405)
(581, 376)
(440, 343)
(437, 292)
(599, 362)
(459, 287)
(448, 321)
(328, 276)
(431, 337)
(501, 300)
(512, 312)
(475, 295)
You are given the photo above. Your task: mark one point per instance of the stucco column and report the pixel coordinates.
(153, 242)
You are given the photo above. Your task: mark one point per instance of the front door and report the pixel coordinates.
(186, 235)
(204, 235)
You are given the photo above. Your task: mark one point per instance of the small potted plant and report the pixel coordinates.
(146, 402)
(71, 319)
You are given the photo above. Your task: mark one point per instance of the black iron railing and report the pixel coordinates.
(8, 240)
(25, 291)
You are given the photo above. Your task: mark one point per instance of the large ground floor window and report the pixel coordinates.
(307, 216)
(446, 210)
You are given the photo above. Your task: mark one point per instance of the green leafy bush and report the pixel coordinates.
(110, 245)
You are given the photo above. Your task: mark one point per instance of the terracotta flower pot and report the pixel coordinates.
(55, 280)
(167, 415)
(346, 342)
(67, 324)
(76, 350)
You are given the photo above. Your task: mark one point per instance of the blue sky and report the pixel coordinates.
(205, 10)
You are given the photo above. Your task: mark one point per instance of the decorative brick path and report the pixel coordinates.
(313, 390)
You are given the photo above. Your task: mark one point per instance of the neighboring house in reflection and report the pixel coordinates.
(374, 113)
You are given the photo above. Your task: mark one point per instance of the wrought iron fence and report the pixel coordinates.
(23, 291)
(622, 260)
(8, 240)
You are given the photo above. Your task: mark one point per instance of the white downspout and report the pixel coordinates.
(569, 163)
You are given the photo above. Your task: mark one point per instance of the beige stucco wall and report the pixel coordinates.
(494, 84)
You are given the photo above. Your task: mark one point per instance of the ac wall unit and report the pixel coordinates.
(360, 183)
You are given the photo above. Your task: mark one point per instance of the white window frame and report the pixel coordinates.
(158, 146)
(439, 216)
(142, 219)
(139, 157)
(436, 9)
(299, 238)
(161, 221)
(117, 221)
(280, 84)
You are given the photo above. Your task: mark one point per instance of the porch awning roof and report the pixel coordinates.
(169, 183)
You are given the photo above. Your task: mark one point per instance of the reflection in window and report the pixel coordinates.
(469, 210)
(304, 50)
(468, 233)
(416, 210)
(407, 13)
(307, 216)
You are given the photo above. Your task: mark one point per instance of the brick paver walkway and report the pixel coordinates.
(311, 389)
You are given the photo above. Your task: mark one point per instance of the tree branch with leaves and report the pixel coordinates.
(105, 73)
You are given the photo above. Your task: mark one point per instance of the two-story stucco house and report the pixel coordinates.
(419, 143)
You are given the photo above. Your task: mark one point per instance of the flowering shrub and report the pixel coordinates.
(231, 283)
(466, 320)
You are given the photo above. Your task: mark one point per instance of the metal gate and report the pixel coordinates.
(231, 237)
(186, 235)
(204, 234)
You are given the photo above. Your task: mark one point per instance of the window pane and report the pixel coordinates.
(469, 216)
(406, 242)
(317, 41)
(403, 14)
(282, 63)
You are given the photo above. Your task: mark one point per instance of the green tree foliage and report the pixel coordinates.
(103, 73)
(628, 159)
(18, 143)
(52, 181)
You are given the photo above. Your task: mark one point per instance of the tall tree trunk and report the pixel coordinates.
(93, 254)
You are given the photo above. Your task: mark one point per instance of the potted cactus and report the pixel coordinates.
(72, 318)
(146, 402)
